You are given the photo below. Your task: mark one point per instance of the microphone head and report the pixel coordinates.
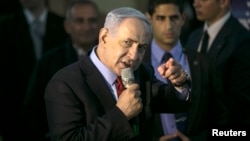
(127, 76)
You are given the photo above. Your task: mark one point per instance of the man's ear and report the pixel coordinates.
(184, 17)
(103, 36)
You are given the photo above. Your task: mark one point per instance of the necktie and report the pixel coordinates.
(165, 57)
(37, 30)
(119, 86)
(204, 43)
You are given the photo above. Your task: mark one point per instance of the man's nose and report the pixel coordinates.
(168, 24)
(196, 3)
(86, 25)
(133, 52)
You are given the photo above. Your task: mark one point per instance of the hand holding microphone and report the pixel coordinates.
(129, 101)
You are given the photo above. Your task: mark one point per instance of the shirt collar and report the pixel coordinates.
(31, 18)
(109, 76)
(215, 28)
(158, 52)
(80, 51)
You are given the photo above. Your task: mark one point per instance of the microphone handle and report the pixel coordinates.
(127, 76)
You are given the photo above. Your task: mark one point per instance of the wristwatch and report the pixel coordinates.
(184, 83)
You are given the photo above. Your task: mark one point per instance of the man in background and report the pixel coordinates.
(167, 18)
(25, 36)
(82, 23)
(224, 39)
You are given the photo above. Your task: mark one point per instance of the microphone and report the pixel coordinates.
(128, 78)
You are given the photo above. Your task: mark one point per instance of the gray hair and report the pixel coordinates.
(115, 17)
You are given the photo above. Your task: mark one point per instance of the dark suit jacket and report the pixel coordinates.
(18, 61)
(19, 50)
(80, 105)
(34, 106)
(206, 98)
(231, 49)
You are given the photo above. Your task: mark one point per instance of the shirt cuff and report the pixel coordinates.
(183, 93)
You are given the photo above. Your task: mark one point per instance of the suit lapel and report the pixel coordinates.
(49, 32)
(24, 40)
(147, 55)
(24, 46)
(195, 40)
(100, 89)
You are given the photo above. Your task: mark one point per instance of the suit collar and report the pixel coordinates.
(195, 39)
(30, 17)
(147, 55)
(100, 89)
(220, 39)
(214, 29)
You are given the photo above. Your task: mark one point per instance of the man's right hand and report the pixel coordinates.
(129, 102)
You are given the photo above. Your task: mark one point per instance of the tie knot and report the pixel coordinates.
(204, 44)
(38, 27)
(166, 56)
(119, 80)
(205, 34)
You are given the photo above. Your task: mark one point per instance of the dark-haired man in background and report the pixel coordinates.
(167, 18)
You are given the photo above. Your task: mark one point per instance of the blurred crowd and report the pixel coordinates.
(36, 43)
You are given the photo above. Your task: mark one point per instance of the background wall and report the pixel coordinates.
(241, 10)
(105, 5)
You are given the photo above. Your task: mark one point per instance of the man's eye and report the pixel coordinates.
(174, 18)
(128, 43)
(142, 48)
(92, 20)
(160, 18)
(78, 21)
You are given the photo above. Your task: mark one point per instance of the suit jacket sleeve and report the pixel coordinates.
(164, 98)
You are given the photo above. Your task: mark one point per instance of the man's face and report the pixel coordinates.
(126, 47)
(167, 22)
(207, 10)
(83, 25)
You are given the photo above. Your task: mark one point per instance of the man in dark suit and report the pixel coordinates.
(207, 110)
(82, 100)
(229, 45)
(19, 53)
(167, 18)
(82, 24)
